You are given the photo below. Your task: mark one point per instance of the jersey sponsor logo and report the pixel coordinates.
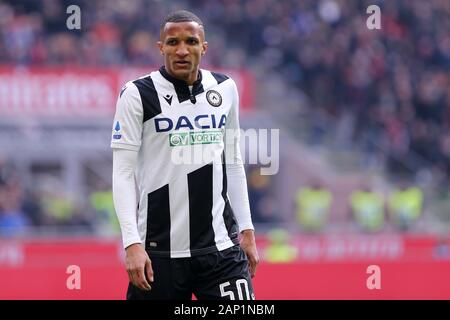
(180, 139)
(168, 98)
(117, 135)
(214, 98)
(201, 121)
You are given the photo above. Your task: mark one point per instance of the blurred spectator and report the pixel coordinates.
(405, 205)
(279, 250)
(367, 207)
(81, 219)
(313, 206)
(101, 201)
(12, 219)
(32, 208)
(58, 207)
(262, 202)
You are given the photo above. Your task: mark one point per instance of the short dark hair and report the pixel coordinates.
(181, 16)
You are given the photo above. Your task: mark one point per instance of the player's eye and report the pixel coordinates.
(192, 41)
(171, 42)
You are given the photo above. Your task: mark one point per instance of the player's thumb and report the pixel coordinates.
(149, 270)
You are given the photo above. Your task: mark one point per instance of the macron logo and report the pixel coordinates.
(168, 98)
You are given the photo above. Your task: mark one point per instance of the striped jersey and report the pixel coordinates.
(178, 131)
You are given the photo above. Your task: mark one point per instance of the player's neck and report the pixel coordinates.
(191, 80)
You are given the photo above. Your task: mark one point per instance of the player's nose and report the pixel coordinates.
(182, 50)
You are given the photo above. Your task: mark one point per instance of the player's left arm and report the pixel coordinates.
(237, 183)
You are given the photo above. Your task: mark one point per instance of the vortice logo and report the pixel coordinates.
(177, 139)
(192, 138)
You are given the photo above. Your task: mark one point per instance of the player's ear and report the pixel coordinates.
(205, 47)
(159, 44)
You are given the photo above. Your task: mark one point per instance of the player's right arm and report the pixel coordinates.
(126, 141)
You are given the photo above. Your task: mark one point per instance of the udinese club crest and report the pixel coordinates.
(214, 98)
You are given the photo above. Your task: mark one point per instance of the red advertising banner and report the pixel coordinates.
(354, 248)
(75, 91)
(416, 269)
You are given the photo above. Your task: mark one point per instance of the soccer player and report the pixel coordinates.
(186, 226)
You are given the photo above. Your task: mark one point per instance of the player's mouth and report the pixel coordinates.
(182, 63)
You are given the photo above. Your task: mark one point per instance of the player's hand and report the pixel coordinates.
(248, 244)
(139, 266)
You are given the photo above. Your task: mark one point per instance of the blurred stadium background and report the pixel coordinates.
(364, 119)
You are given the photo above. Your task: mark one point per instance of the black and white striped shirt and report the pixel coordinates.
(183, 187)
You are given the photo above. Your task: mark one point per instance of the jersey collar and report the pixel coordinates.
(181, 87)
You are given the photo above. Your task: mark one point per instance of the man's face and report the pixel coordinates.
(183, 44)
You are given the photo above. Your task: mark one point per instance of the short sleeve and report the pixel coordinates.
(128, 119)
